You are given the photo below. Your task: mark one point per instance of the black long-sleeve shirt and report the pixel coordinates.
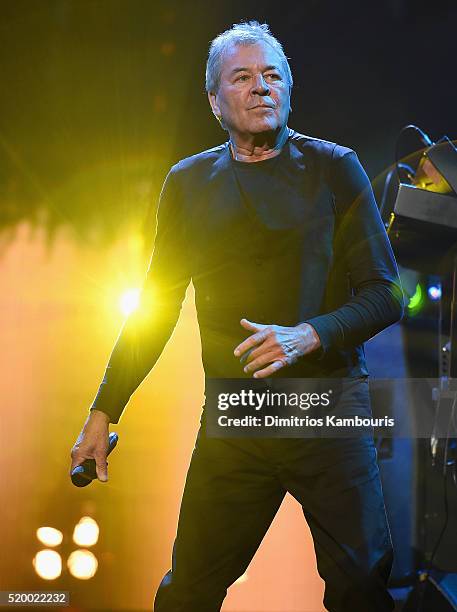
(291, 239)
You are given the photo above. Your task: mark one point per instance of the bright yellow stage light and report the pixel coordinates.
(82, 564)
(49, 536)
(86, 532)
(129, 301)
(48, 564)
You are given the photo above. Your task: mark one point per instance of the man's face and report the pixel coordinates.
(254, 93)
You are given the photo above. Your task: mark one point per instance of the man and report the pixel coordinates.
(293, 271)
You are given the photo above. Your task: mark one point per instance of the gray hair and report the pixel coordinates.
(240, 34)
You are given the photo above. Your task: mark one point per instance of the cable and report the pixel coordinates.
(425, 140)
(386, 188)
(393, 172)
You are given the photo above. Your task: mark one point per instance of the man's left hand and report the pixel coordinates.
(271, 347)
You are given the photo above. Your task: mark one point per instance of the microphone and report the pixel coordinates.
(82, 475)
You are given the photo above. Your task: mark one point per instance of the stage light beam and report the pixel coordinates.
(86, 532)
(82, 564)
(49, 536)
(48, 564)
(129, 301)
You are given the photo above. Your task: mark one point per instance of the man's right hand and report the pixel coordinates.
(92, 443)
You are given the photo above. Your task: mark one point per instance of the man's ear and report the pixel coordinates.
(214, 106)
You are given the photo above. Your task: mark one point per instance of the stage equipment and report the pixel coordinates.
(423, 224)
(423, 233)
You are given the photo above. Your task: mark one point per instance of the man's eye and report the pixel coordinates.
(242, 77)
(273, 76)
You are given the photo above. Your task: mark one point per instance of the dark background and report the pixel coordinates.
(99, 97)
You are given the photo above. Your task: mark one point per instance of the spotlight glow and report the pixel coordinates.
(129, 301)
(86, 532)
(416, 300)
(434, 292)
(48, 564)
(49, 536)
(82, 564)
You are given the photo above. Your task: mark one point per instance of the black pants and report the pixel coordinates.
(233, 490)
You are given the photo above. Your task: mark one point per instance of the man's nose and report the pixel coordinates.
(260, 86)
